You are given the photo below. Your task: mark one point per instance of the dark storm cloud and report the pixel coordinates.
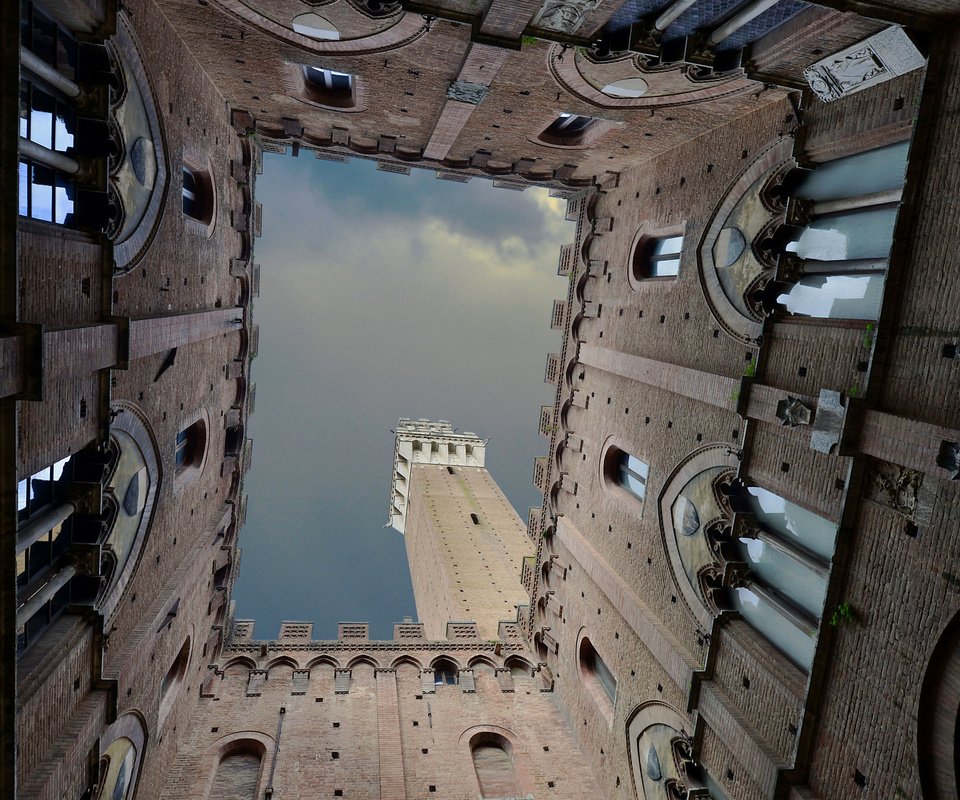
(383, 296)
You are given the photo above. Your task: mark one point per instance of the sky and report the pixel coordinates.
(383, 296)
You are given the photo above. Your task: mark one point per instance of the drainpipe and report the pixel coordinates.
(268, 792)
(746, 15)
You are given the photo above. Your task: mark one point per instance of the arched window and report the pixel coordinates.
(493, 764)
(118, 765)
(329, 87)
(779, 553)
(316, 27)
(568, 130)
(197, 194)
(238, 773)
(597, 677)
(172, 680)
(838, 259)
(627, 472)
(190, 445)
(445, 672)
(657, 257)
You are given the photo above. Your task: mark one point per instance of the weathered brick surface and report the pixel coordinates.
(646, 366)
(429, 732)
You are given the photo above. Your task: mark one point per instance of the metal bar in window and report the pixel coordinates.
(39, 68)
(49, 158)
(44, 594)
(40, 525)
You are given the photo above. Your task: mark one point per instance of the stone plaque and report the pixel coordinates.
(874, 60)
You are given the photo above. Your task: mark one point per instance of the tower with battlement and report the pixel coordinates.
(465, 542)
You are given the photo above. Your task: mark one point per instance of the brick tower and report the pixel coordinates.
(465, 543)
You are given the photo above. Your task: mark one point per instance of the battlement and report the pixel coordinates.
(425, 442)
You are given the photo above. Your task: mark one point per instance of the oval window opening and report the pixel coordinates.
(626, 88)
(316, 27)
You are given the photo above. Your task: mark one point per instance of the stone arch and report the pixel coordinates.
(445, 657)
(689, 83)
(132, 421)
(733, 317)
(519, 662)
(410, 660)
(362, 660)
(698, 462)
(282, 661)
(323, 661)
(239, 665)
(407, 29)
(484, 660)
(938, 725)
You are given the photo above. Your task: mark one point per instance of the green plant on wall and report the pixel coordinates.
(750, 370)
(528, 39)
(842, 613)
(869, 335)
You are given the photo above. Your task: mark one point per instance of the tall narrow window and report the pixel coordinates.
(197, 194)
(189, 446)
(597, 677)
(493, 765)
(632, 474)
(657, 257)
(172, 680)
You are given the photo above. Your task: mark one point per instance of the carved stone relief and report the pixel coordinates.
(879, 58)
(900, 489)
(564, 16)
(466, 92)
(792, 412)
